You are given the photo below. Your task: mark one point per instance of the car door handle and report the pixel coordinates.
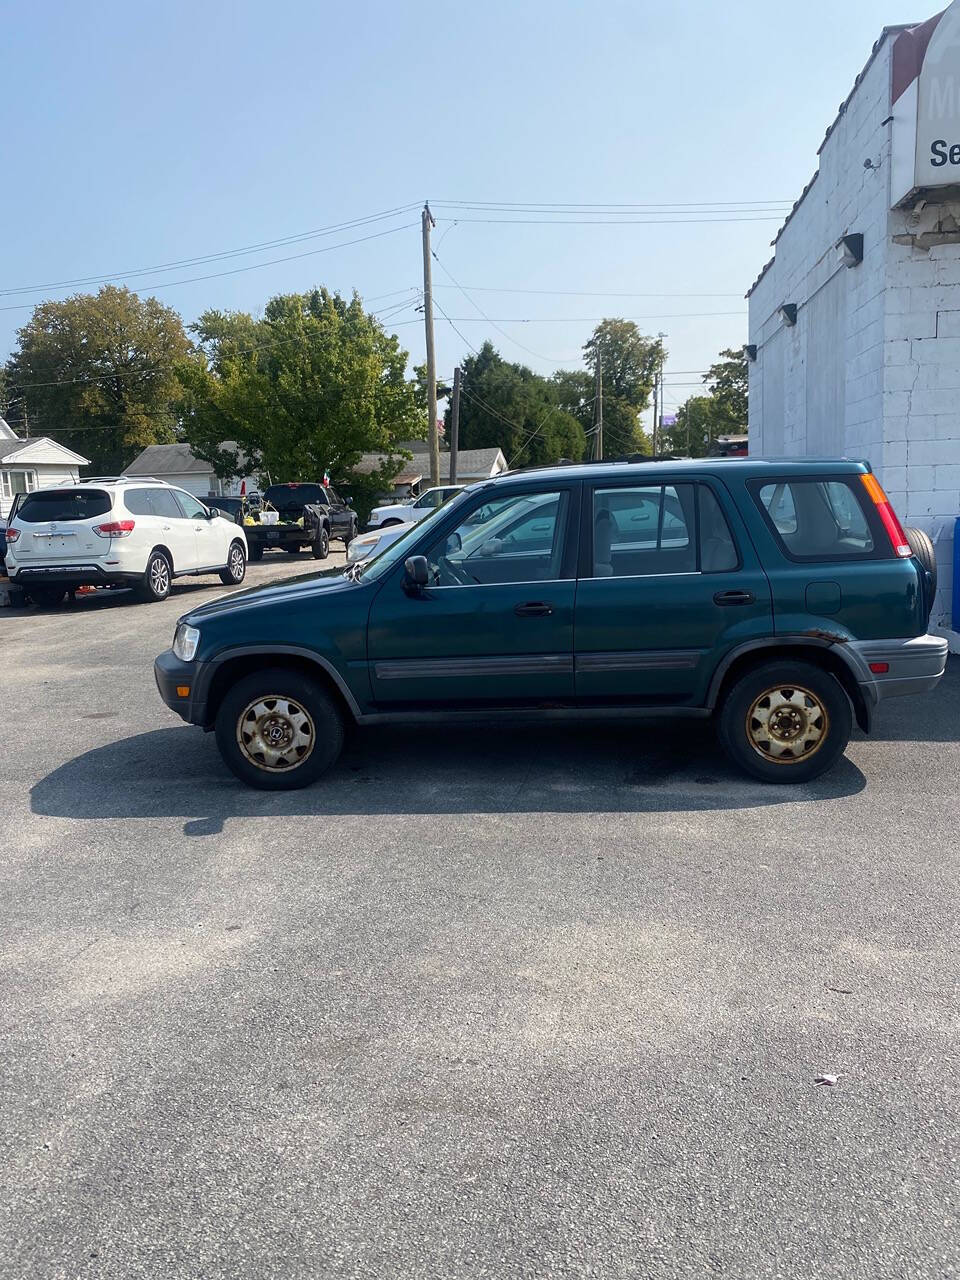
(734, 597)
(166, 528)
(533, 609)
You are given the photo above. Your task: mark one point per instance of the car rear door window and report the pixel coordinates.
(164, 504)
(644, 529)
(817, 519)
(63, 504)
(139, 502)
(718, 551)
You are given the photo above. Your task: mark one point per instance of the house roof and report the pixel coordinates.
(167, 459)
(6, 431)
(472, 464)
(39, 450)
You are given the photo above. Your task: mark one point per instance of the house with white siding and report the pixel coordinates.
(33, 463)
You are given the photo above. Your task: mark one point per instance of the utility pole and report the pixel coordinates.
(598, 415)
(658, 399)
(427, 221)
(455, 425)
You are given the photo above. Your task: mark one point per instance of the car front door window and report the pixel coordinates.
(515, 539)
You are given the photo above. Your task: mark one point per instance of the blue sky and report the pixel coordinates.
(140, 135)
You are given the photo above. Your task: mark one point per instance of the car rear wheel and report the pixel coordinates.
(785, 722)
(46, 597)
(278, 730)
(236, 569)
(321, 548)
(156, 579)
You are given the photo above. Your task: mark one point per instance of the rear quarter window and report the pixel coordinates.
(63, 504)
(821, 519)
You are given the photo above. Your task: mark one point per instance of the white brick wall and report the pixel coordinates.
(896, 344)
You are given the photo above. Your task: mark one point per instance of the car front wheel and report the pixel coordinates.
(785, 722)
(236, 568)
(278, 730)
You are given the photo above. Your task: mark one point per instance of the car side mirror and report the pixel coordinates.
(454, 543)
(213, 512)
(348, 501)
(416, 572)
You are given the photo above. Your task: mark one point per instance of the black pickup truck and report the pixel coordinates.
(324, 514)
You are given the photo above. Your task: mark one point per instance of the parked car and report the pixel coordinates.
(415, 509)
(307, 515)
(367, 545)
(779, 599)
(118, 532)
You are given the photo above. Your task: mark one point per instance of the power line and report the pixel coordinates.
(586, 293)
(618, 222)
(395, 309)
(651, 315)
(254, 266)
(581, 204)
(539, 355)
(212, 257)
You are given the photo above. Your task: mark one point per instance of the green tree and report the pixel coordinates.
(722, 412)
(629, 362)
(309, 388)
(511, 407)
(96, 372)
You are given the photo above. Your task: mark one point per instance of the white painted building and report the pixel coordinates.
(178, 465)
(855, 321)
(31, 464)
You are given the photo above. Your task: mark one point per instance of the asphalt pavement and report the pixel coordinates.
(485, 1002)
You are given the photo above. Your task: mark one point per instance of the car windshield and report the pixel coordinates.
(381, 564)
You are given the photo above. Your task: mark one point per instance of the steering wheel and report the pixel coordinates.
(450, 569)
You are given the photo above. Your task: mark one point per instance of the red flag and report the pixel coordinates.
(243, 488)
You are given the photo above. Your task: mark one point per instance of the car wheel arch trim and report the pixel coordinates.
(283, 650)
(769, 647)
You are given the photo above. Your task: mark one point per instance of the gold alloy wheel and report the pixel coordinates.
(787, 724)
(275, 733)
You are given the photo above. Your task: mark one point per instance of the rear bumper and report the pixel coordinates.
(914, 666)
(172, 674)
(70, 575)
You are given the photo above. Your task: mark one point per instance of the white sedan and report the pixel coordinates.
(402, 512)
(367, 545)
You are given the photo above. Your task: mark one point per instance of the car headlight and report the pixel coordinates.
(361, 549)
(185, 642)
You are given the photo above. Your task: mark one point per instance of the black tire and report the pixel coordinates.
(236, 567)
(156, 578)
(349, 536)
(321, 548)
(46, 597)
(820, 721)
(298, 702)
(922, 548)
(255, 552)
(387, 523)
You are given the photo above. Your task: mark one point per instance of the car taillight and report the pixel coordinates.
(888, 517)
(13, 535)
(115, 529)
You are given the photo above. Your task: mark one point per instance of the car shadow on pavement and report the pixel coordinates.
(484, 768)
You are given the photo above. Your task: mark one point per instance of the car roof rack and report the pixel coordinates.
(119, 480)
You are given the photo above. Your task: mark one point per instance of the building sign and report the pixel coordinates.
(925, 93)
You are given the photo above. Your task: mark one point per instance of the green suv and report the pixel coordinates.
(779, 598)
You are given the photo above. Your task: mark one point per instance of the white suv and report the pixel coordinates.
(119, 532)
(415, 509)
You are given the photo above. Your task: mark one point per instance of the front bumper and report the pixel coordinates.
(914, 666)
(173, 675)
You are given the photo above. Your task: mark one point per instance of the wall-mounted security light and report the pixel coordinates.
(750, 351)
(851, 249)
(788, 313)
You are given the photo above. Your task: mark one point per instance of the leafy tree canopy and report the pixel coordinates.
(96, 372)
(511, 407)
(309, 388)
(721, 412)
